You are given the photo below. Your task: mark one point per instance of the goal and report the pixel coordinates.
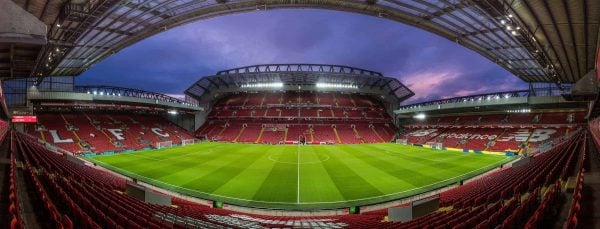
(185, 142)
(402, 141)
(435, 145)
(167, 144)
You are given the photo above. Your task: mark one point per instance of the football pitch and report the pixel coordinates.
(300, 177)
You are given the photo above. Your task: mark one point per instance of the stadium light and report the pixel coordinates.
(336, 85)
(173, 112)
(263, 85)
(524, 110)
(420, 116)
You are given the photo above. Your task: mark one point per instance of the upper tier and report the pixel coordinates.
(547, 118)
(304, 104)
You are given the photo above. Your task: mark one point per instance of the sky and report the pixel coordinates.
(432, 66)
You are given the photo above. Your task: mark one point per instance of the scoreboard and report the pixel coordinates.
(24, 118)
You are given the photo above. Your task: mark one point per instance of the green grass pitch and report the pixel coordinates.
(300, 177)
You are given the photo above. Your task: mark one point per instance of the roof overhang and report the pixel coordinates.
(22, 37)
(299, 77)
(110, 95)
(542, 50)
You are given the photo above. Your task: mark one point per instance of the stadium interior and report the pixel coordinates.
(98, 156)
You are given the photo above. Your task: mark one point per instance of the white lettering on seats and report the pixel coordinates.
(520, 135)
(540, 135)
(57, 138)
(117, 133)
(423, 132)
(158, 131)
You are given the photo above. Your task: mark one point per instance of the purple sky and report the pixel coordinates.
(431, 66)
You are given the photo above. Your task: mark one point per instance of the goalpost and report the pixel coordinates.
(435, 145)
(166, 144)
(403, 141)
(185, 142)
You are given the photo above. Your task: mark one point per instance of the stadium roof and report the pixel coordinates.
(504, 101)
(537, 40)
(298, 75)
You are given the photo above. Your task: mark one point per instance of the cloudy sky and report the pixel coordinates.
(431, 66)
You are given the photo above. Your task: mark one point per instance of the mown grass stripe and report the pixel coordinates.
(316, 184)
(266, 176)
(280, 184)
(347, 181)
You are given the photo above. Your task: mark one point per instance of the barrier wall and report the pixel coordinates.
(507, 153)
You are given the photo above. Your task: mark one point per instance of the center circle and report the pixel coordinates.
(281, 158)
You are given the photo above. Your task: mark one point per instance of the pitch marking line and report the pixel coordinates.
(138, 154)
(298, 192)
(147, 180)
(271, 158)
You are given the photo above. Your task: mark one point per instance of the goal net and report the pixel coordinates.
(402, 141)
(160, 145)
(185, 142)
(435, 145)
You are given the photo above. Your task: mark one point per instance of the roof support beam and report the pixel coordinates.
(576, 59)
(44, 10)
(561, 40)
(536, 21)
(492, 30)
(213, 82)
(11, 61)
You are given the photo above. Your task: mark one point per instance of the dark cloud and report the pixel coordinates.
(432, 66)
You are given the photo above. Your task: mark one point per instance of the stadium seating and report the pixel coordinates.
(543, 169)
(298, 111)
(348, 134)
(93, 132)
(250, 133)
(296, 132)
(273, 135)
(516, 119)
(324, 133)
(494, 132)
(83, 197)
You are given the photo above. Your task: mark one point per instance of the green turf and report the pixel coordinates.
(300, 177)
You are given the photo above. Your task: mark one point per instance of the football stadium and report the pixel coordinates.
(300, 145)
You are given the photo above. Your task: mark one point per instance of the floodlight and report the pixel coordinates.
(419, 116)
